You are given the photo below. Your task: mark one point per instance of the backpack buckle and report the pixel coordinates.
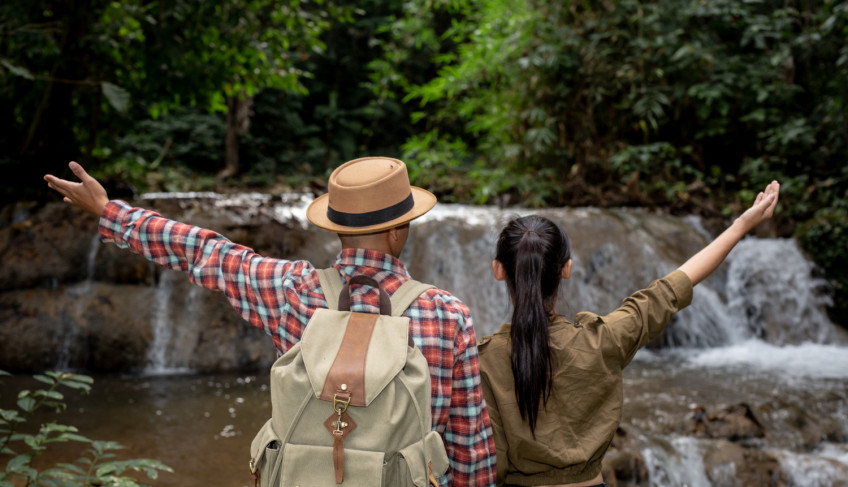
(341, 400)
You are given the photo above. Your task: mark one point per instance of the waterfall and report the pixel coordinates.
(79, 294)
(174, 324)
(161, 325)
(615, 252)
(766, 290)
(771, 282)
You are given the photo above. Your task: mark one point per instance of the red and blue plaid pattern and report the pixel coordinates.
(281, 295)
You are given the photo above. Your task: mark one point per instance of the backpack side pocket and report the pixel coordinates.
(423, 461)
(265, 449)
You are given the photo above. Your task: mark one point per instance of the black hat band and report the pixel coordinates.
(369, 218)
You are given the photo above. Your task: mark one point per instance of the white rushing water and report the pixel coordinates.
(80, 294)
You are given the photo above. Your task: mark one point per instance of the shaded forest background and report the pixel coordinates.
(689, 106)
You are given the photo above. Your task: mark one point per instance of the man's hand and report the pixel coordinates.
(88, 194)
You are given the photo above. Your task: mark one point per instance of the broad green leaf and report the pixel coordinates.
(27, 404)
(49, 394)
(84, 379)
(17, 70)
(18, 463)
(71, 467)
(118, 97)
(9, 415)
(44, 378)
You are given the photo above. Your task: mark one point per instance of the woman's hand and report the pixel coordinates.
(702, 264)
(88, 194)
(762, 209)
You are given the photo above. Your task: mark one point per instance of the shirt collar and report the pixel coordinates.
(371, 258)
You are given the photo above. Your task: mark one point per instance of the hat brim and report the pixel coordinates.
(424, 201)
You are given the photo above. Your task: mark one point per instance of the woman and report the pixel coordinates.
(554, 388)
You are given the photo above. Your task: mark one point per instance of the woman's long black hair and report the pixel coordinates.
(533, 251)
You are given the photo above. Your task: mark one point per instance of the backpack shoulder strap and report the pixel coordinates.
(331, 284)
(406, 294)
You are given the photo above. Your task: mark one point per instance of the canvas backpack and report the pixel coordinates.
(351, 401)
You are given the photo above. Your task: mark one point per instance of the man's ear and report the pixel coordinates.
(498, 270)
(566, 270)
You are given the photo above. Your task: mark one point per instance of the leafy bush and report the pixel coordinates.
(97, 465)
(824, 237)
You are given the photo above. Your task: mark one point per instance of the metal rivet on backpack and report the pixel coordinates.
(344, 387)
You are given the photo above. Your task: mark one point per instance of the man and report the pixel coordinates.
(369, 204)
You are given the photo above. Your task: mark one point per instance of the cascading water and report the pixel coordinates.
(161, 325)
(174, 325)
(79, 293)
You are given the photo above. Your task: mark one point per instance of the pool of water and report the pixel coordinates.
(202, 425)
(199, 425)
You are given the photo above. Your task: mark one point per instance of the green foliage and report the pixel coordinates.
(340, 118)
(179, 151)
(78, 77)
(824, 237)
(96, 466)
(675, 92)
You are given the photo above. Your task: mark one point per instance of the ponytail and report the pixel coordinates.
(533, 251)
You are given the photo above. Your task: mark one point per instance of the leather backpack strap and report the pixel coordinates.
(331, 284)
(406, 294)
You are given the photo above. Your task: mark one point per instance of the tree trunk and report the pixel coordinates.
(238, 123)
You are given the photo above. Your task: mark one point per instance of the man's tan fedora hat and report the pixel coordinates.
(368, 195)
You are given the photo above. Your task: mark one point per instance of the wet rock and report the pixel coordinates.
(623, 465)
(46, 248)
(108, 328)
(734, 422)
(730, 465)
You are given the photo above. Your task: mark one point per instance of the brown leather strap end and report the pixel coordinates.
(338, 457)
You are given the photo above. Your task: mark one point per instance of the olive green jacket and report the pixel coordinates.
(583, 411)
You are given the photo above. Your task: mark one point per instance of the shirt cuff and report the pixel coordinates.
(111, 220)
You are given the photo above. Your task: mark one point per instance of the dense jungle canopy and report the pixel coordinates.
(684, 105)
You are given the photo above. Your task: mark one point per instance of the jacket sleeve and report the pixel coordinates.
(645, 314)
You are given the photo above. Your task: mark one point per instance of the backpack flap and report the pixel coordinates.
(386, 354)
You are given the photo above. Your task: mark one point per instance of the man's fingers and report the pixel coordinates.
(59, 185)
(78, 170)
(62, 186)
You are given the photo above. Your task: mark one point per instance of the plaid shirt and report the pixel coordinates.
(280, 296)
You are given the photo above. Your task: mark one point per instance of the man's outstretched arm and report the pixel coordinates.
(254, 285)
(87, 194)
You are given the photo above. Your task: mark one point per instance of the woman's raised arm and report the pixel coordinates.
(702, 264)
